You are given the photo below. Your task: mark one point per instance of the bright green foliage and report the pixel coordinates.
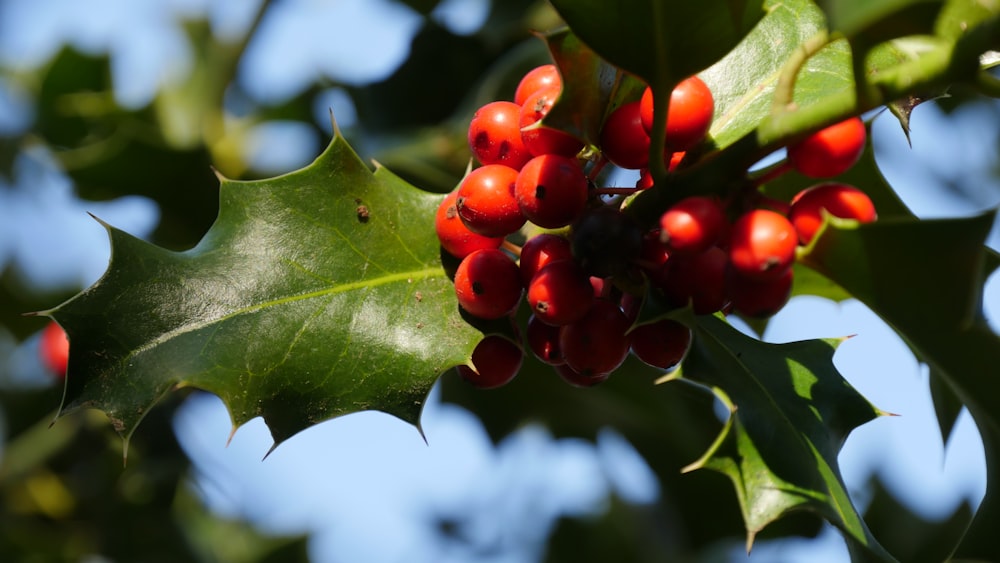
(315, 294)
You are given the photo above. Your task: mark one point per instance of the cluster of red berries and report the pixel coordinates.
(707, 252)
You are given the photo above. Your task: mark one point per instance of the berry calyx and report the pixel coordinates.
(830, 151)
(495, 362)
(495, 135)
(624, 140)
(840, 200)
(538, 78)
(488, 284)
(53, 347)
(762, 244)
(597, 343)
(689, 114)
(661, 344)
(560, 293)
(692, 225)
(551, 190)
(486, 201)
(454, 236)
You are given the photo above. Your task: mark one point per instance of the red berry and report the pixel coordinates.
(488, 284)
(454, 236)
(597, 343)
(543, 340)
(692, 225)
(538, 78)
(839, 200)
(495, 362)
(645, 180)
(495, 135)
(762, 244)
(760, 298)
(698, 279)
(689, 114)
(486, 201)
(831, 151)
(624, 141)
(541, 139)
(551, 190)
(540, 250)
(577, 379)
(661, 344)
(54, 349)
(560, 293)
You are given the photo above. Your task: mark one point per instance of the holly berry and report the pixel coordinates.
(597, 343)
(541, 139)
(689, 114)
(560, 293)
(692, 225)
(699, 280)
(486, 201)
(762, 244)
(452, 233)
(543, 341)
(551, 190)
(538, 78)
(495, 135)
(661, 344)
(830, 151)
(488, 284)
(760, 298)
(840, 200)
(577, 379)
(495, 362)
(53, 346)
(540, 250)
(624, 140)
(606, 241)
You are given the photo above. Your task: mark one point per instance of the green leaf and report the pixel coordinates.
(592, 87)
(315, 294)
(661, 42)
(925, 279)
(880, 20)
(790, 413)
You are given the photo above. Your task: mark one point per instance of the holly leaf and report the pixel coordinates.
(313, 295)
(790, 412)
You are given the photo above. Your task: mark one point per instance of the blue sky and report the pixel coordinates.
(349, 480)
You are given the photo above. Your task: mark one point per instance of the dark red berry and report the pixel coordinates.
(486, 201)
(839, 200)
(495, 362)
(540, 250)
(495, 135)
(551, 190)
(543, 341)
(693, 224)
(454, 236)
(542, 139)
(662, 343)
(624, 141)
(488, 284)
(560, 293)
(597, 343)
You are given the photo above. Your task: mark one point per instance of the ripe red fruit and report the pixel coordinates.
(540, 250)
(760, 298)
(661, 344)
(624, 141)
(486, 201)
(541, 139)
(454, 236)
(597, 343)
(831, 151)
(53, 347)
(692, 225)
(560, 293)
(840, 200)
(488, 284)
(538, 78)
(698, 279)
(496, 361)
(551, 190)
(577, 379)
(762, 244)
(495, 135)
(689, 114)
(543, 341)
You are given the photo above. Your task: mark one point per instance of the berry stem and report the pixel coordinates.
(771, 173)
(595, 170)
(511, 247)
(615, 191)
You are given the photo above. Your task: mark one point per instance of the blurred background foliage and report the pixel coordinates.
(64, 493)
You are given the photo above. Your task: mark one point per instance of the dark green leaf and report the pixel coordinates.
(880, 20)
(315, 294)
(790, 413)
